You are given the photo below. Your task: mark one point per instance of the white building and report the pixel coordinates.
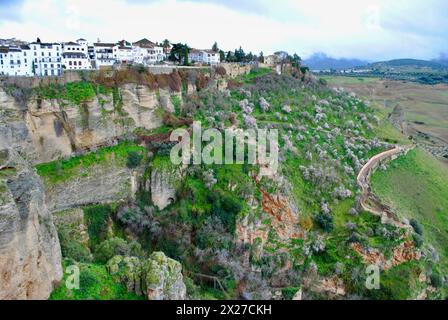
(123, 52)
(104, 54)
(147, 52)
(16, 61)
(204, 56)
(47, 58)
(75, 55)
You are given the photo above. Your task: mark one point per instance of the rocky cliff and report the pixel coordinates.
(30, 256)
(47, 129)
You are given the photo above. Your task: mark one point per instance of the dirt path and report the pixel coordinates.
(369, 201)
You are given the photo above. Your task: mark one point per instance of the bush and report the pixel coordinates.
(436, 280)
(117, 246)
(289, 293)
(134, 159)
(418, 240)
(226, 207)
(97, 218)
(73, 249)
(416, 226)
(87, 280)
(110, 248)
(325, 221)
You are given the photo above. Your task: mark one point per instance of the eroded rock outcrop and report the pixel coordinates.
(45, 130)
(30, 255)
(158, 277)
(98, 184)
(163, 189)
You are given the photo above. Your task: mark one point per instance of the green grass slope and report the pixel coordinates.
(416, 185)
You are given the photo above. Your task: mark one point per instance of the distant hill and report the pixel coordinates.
(320, 61)
(408, 64)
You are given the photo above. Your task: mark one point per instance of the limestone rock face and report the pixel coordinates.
(30, 255)
(163, 191)
(45, 130)
(158, 277)
(97, 185)
(14, 132)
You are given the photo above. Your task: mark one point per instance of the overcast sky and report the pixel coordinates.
(367, 29)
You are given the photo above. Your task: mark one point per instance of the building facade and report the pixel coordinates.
(16, 61)
(46, 58)
(204, 56)
(75, 56)
(104, 54)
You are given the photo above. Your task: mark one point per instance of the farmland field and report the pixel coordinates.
(425, 106)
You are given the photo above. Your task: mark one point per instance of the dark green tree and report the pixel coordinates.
(215, 47)
(222, 55)
(179, 53)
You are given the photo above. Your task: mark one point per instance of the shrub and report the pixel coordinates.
(325, 221)
(221, 70)
(436, 279)
(97, 218)
(134, 159)
(87, 280)
(226, 207)
(73, 249)
(416, 226)
(110, 248)
(289, 292)
(418, 240)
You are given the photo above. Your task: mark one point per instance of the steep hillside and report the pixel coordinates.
(416, 185)
(129, 218)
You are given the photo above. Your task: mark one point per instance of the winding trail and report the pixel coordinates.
(369, 201)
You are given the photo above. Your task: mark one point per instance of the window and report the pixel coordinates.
(69, 63)
(35, 53)
(45, 66)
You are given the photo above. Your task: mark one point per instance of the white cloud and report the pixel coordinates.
(371, 29)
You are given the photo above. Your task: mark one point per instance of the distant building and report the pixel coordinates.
(204, 56)
(47, 58)
(147, 52)
(123, 52)
(75, 55)
(16, 61)
(104, 54)
(271, 60)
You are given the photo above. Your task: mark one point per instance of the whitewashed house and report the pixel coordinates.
(104, 54)
(16, 61)
(147, 52)
(46, 58)
(123, 52)
(204, 56)
(75, 56)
